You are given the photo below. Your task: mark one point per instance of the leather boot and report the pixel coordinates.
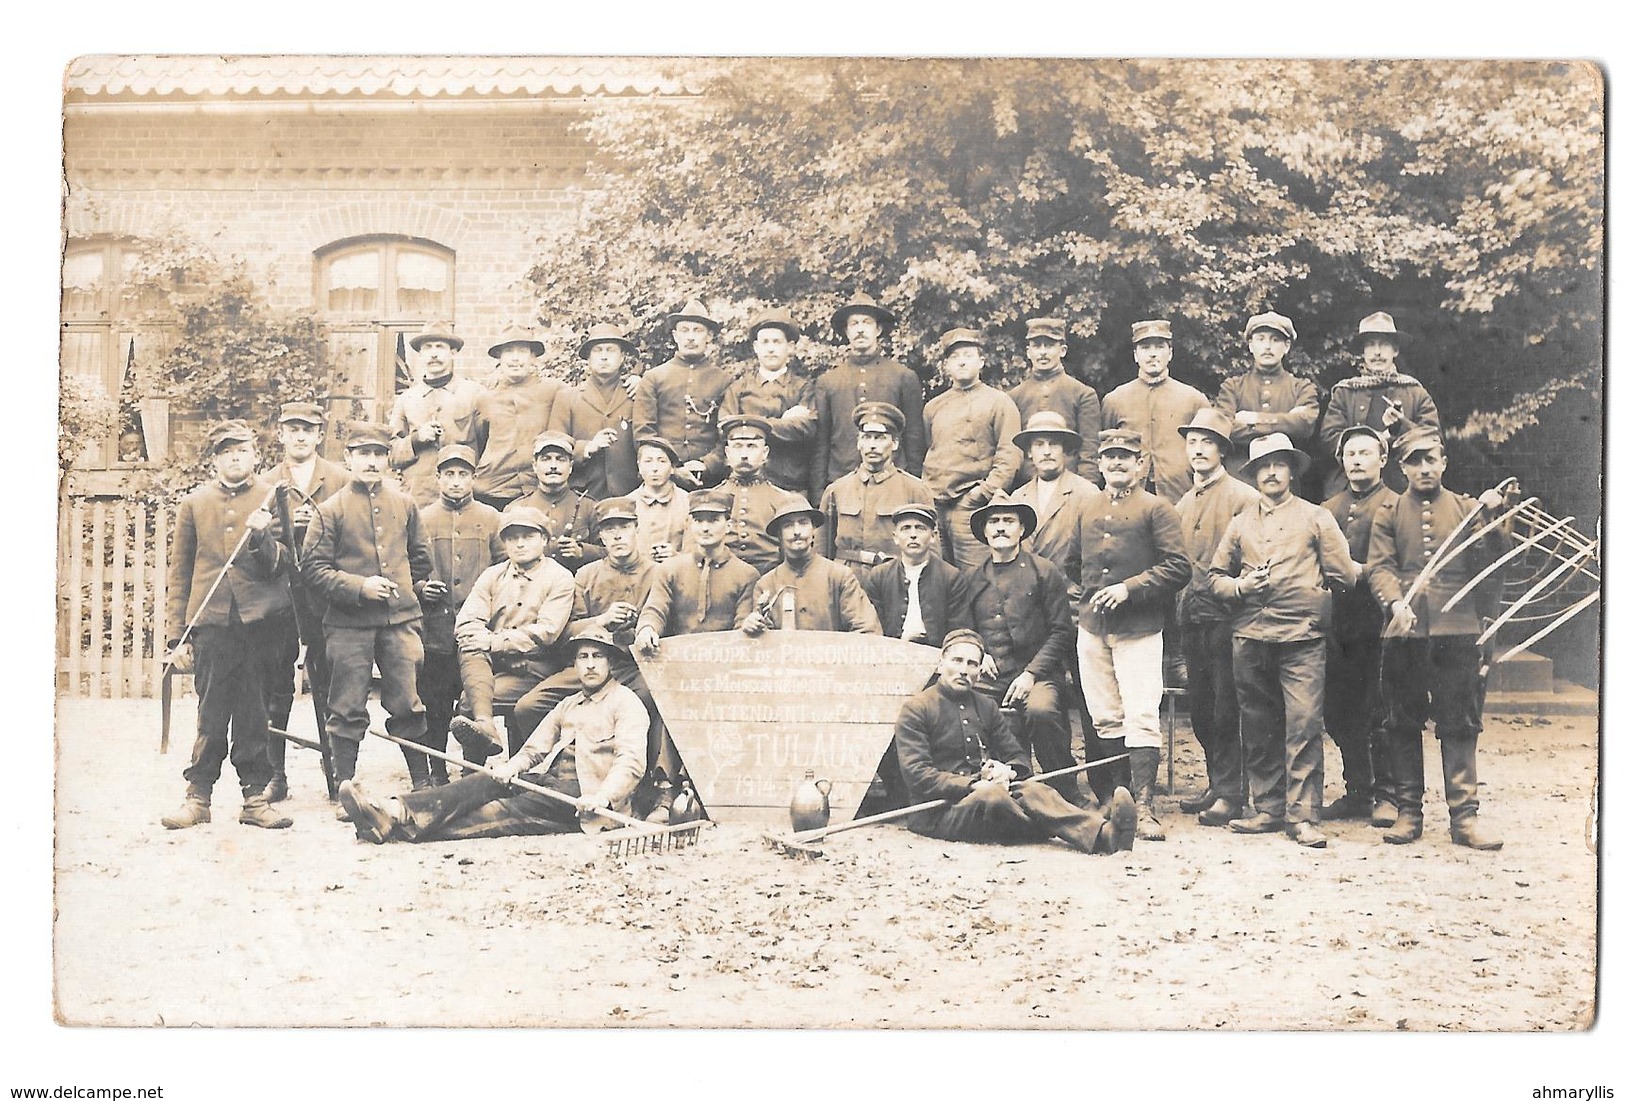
(276, 749)
(1466, 831)
(1201, 803)
(476, 736)
(345, 751)
(1143, 763)
(259, 812)
(194, 811)
(1122, 818)
(1222, 812)
(417, 768)
(372, 822)
(1383, 814)
(277, 790)
(1407, 829)
(1351, 804)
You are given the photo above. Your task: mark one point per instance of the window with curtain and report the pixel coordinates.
(385, 279)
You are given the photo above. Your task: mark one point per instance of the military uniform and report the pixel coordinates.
(1363, 400)
(827, 597)
(694, 594)
(568, 514)
(839, 391)
(507, 417)
(942, 593)
(583, 413)
(970, 453)
(680, 402)
(791, 442)
(1284, 403)
(754, 504)
(1157, 413)
(1079, 406)
(451, 405)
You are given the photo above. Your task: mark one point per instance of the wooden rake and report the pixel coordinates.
(634, 836)
(805, 843)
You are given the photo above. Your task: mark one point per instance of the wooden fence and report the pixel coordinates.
(112, 564)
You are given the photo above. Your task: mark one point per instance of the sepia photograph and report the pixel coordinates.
(829, 543)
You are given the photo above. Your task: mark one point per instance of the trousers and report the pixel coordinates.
(1020, 812)
(1043, 729)
(1122, 684)
(230, 680)
(1354, 711)
(1433, 678)
(397, 650)
(478, 806)
(963, 549)
(1210, 687)
(1280, 687)
(280, 686)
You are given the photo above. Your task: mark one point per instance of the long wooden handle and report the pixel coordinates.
(613, 816)
(221, 576)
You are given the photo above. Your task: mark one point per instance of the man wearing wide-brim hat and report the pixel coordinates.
(1216, 496)
(1276, 561)
(1049, 389)
(858, 506)
(1020, 606)
(863, 374)
(1430, 656)
(1155, 404)
(436, 410)
(1132, 563)
(516, 403)
(311, 479)
(681, 399)
(806, 591)
(590, 748)
(598, 416)
(1268, 398)
(1055, 492)
(971, 455)
(778, 393)
(1379, 396)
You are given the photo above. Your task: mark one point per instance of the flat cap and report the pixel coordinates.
(522, 516)
(953, 338)
(232, 431)
(1121, 439)
(964, 634)
(878, 416)
(710, 501)
(617, 508)
(663, 444)
(1420, 438)
(301, 412)
(1272, 320)
(365, 434)
(1353, 430)
(1046, 328)
(1152, 330)
(553, 441)
(456, 453)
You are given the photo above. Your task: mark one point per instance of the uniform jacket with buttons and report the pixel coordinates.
(942, 739)
(839, 391)
(361, 532)
(1078, 404)
(680, 404)
(583, 413)
(608, 731)
(828, 597)
(1157, 413)
(452, 405)
(857, 511)
(1406, 534)
(208, 523)
(1133, 540)
(1022, 612)
(754, 505)
(568, 514)
(790, 446)
(508, 416)
(327, 478)
(970, 440)
(1204, 516)
(692, 594)
(605, 582)
(944, 598)
(1283, 401)
(1362, 400)
(463, 541)
(1356, 611)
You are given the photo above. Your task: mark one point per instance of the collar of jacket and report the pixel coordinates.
(876, 477)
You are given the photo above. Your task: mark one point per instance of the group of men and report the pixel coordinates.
(1065, 554)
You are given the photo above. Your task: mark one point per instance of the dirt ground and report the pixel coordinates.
(227, 925)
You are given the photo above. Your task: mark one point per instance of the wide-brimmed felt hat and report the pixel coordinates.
(604, 334)
(1379, 324)
(597, 636)
(662, 443)
(518, 334)
(862, 303)
(558, 441)
(1152, 330)
(365, 434)
(1274, 445)
(521, 516)
(775, 317)
(437, 330)
(694, 310)
(232, 431)
(882, 413)
(1271, 320)
(301, 412)
(456, 453)
(795, 506)
(1417, 439)
(1047, 423)
(1003, 503)
(1214, 423)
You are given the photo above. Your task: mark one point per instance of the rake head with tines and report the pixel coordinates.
(632, 840)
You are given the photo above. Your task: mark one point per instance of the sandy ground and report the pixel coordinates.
(228, 925)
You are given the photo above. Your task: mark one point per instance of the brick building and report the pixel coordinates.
(383, 192)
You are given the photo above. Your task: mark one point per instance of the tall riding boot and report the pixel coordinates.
(345, 751)
(1405, 761)
(1143, 772)
(417, 767)
(1459, 754)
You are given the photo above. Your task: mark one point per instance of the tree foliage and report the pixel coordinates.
(1464, 197)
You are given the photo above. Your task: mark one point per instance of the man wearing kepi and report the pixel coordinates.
(436, 410)
(311, 480)
(1049, 389)
(589, 748)
(1132, 565)
(755, 500)
(1430, 662)
(234, 627)
(1205, 619)
(918, 596)
(1379, 397)
(863, 375)
(367, 557)
(1020, 608)
(953, 744)
(704, 588)
(679, 400)
(1354, 648)
(571, 516)
(858, 506)
(1268, 398)
(806, 591)
(1155, 405)
(1275, 561)
(971, 454)
(775, 392)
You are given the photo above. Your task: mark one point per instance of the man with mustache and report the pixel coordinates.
(863, 375)
(777, 393)
(571, 515)
(598, 415)
(435, 411)
(806, 591)
(1155, 405)
(1379, 397)
(515, 404)
(1268, 398)
(1049, 389)
(679, 400)
(1276, 561)
(858, 506)
(971, 455)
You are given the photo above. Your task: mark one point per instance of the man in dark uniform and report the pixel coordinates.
(1155, 404)
(238, 610)
(755, 499)
(806, 591)
(703, 589)
(514, 406)
(1049, 389)
(1020, 608)
(1430, 661)
(971, 455)
(857, 507)
(1267, 397)
(918, 596)
(464, 539)
(597, 415)
(311, 480)
(367, 558)
(780, 395)
(953, 744)
(571, 515)
(1354, 648)
(1379, 397)
(679, 400)
(862, 375)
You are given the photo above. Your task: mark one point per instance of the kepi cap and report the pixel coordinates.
(913, 511)
(232, 431)
(1420, 438)
(617, 508)
(555, 441)
(1152, 330)
(878, 416)
(710, 501)
(1046, 328)
(1271, 320)
(1121, 439)
(953, 338)
(730, 425)
(456, 453)
(301, 412)
(365, 434)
